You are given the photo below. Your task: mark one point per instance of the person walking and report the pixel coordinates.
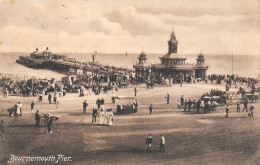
(227, 110)
(189, 105)
(32, 105)
(94, 115)
(238, 106)
(19, 109)
(40, 97)
(185, 105)
(151, 109)
(135, 90)
(37, 119)
(2, 129)
(168, 98)
(251, 109)
(162, 142)
(55, 98)
(49, 98)
(49, 124)
(245, 105)
(85, 104)
(102, 102)
(198, 106)
(182, 100)
(98, 103)
(149, 142)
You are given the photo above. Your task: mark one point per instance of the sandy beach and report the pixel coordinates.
(191, 138)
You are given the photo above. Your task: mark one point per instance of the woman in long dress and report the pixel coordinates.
(110, 118)
(102, 117)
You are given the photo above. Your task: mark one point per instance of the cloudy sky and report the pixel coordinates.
(215, 26)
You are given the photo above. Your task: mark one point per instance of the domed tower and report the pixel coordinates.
(142, 68)
(200, 59)
(201, 67)
(173, 43)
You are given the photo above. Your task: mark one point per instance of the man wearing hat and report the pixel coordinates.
(94, 115)
(162, 142)
(227, 109)
(251, 109)
(37, 118)
(85, 104)
(149, 142)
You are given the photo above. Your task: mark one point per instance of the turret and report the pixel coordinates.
(173, 43)
(200, 59)
(142, 58)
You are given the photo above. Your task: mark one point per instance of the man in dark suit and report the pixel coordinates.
(149, 142)
(85, 104)
(94, 115)
(37, 118)
(151, 109)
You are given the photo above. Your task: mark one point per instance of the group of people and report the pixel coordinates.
(55, 98)
(251, 108)
(106, 118)
(149, 142)
(16, 110)
(100, 103)
(46, 119)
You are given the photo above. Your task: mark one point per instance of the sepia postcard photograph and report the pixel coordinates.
(136, 82)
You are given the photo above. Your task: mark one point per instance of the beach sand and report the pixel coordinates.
(190, 138)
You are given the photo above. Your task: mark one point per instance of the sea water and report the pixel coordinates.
(243, 65)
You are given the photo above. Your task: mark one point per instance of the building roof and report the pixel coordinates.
(142, 65)
(173, 56)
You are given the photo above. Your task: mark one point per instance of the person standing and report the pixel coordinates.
(149, 142)
(98, 103)
(135, 90)
(135, 105)
(227, 110)
(110, 119)
(32, 105)
(19, 109)
(102, 102)
(245, 105)
(238, 106)
(151, 109)
(198, 106)
(49, 124)
(251, 109)
(189, 105)
(85, 104)
(102, 117)
(162, 142)
(185, 105)
(40, 97)
(182, 100)
(2, 129)
(55, 98)
(168, 98)
(37, 118)
(94, 115)
(49, 98)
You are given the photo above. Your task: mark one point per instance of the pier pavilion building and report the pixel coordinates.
(173, 65)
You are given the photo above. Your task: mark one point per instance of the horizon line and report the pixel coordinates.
(129, 53)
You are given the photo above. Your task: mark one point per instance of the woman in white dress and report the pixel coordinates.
(110, 118)
(102, 117)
